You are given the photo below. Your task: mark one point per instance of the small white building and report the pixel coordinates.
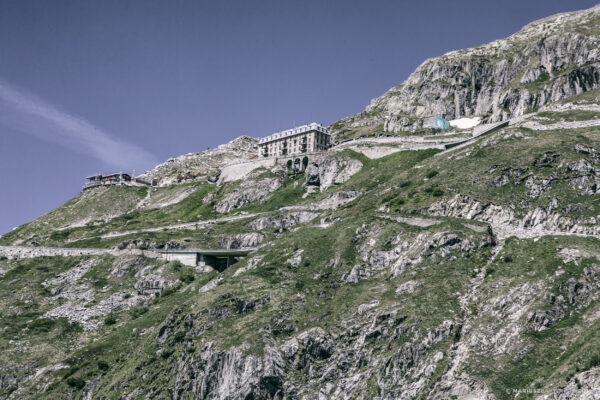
(308, 138)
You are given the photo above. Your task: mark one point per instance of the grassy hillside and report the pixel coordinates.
(384, 289)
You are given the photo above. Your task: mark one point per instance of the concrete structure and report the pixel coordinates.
(150, 286)
(304, 139)
(291, 148)
(118, 178)
(478, 132)
(211, 258)
(297, 162)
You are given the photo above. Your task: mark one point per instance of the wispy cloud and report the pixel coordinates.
(27, 113)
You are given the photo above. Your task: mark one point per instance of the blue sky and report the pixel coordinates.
(102, 86)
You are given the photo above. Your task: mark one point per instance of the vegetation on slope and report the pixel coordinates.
(379, 276)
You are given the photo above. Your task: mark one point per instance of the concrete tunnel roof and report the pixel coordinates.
(211, 252)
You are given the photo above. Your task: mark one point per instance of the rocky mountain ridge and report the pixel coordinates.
(548, 60)
(204, 166)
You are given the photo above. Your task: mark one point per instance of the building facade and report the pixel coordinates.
(310, 138)
(118, 178)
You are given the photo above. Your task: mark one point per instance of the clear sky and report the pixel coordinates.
(103, 86)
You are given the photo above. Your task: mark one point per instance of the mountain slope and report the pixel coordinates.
(548, 60)
(471, 272)
(203, 166)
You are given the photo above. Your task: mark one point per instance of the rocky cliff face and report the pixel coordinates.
(204, 166)
(546, 61)
(328, 171)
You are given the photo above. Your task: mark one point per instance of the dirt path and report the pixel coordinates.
(188, 225)
(41, 251)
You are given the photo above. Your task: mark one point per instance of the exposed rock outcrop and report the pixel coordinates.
(327, 171)
(243, 240)
(546, 61)
(337, 199)
(584, 385)
(202, 167)
(247, 192)
(221, 375)
(283, 220)
(536, 222)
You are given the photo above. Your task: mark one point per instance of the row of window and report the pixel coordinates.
(320, 136)
(306, 128)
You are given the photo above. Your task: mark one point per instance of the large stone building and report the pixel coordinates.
(304, 139)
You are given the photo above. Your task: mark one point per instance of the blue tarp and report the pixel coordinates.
(441, 123)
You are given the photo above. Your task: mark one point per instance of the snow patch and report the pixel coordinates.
(465, 123)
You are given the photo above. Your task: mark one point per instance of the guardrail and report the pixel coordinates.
(485, 131)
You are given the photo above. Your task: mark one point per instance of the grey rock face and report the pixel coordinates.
(509, 175)
(332, 364)
(124, 266)
(247, 192)
(583, 176)
(375, 261)
(204, 166)
(504, 221)
(582, 166)
(424, 248)
(327, 171)
(336, 199)
(312, 345)
(76, 294)
(586, 184)
(537, 186)
(295, 259)
(229, 375)
(544, 62)
(583, 149)
(243, 240)
(283, 220)
(407, 288)
(75, 310)
(584, 386)
(212, 373)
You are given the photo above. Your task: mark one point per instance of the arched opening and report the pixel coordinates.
(297, 163)
(289, 164)
(304, 163)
